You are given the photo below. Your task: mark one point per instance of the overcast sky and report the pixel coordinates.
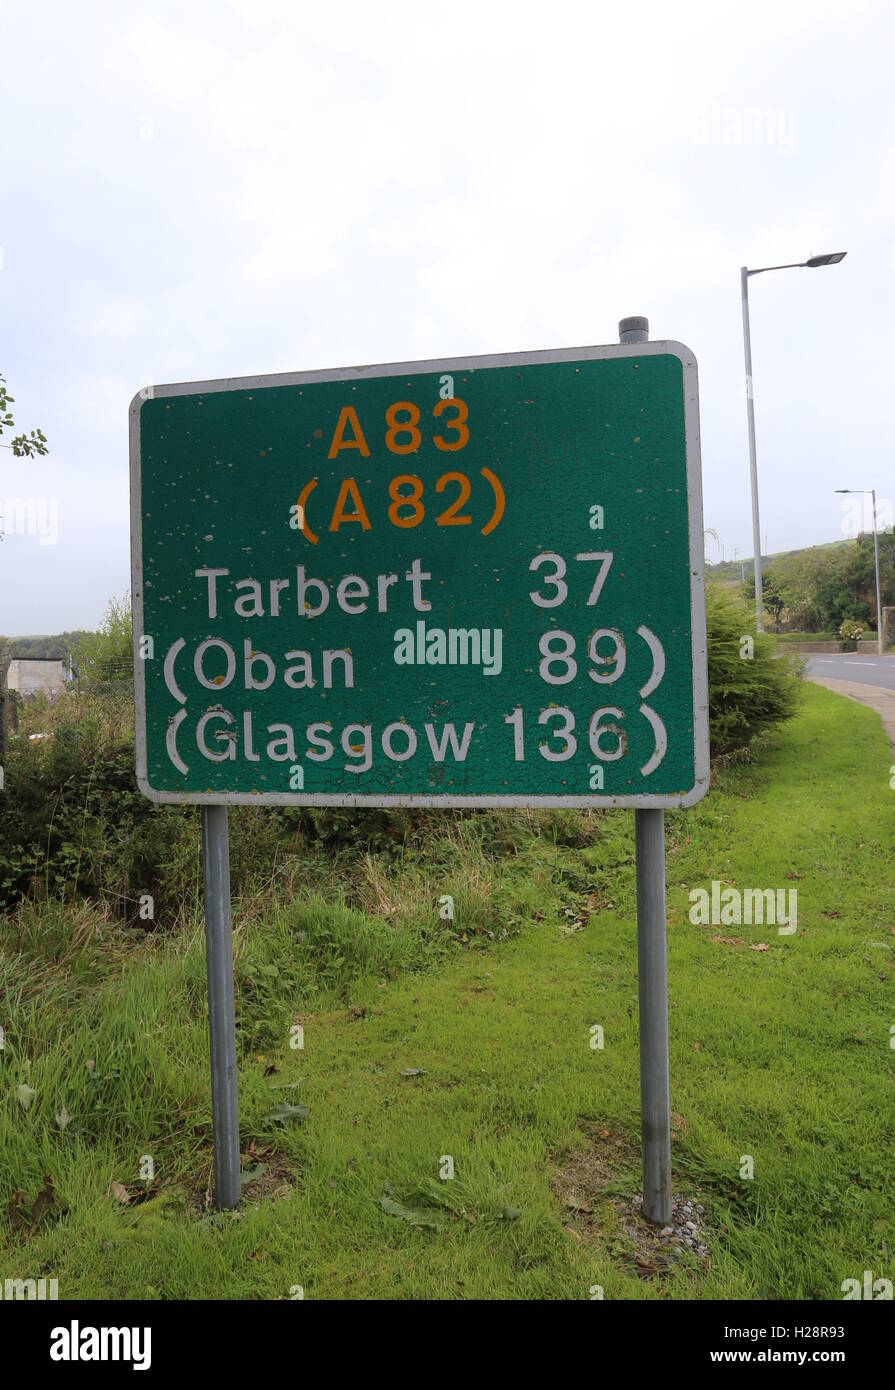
(200, 190)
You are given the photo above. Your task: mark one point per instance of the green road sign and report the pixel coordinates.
(459, 583)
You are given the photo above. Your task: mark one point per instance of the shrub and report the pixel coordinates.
(752, 686)
(74, 825)
(851, 631)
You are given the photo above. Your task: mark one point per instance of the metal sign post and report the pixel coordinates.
(221, 1015)
(465, 582)
(652, 985)
(652, 976)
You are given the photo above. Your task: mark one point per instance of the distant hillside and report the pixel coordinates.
(729, 571)
(48, 646)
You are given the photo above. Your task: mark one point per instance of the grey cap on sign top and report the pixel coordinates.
(636, 324)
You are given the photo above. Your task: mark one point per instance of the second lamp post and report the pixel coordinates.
(812, 263)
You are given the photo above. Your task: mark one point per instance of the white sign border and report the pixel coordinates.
(451, 365)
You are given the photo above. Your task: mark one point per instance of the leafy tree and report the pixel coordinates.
(107, 654)
(815, 590)
(22, 445)
(773, 599)
(860, 574)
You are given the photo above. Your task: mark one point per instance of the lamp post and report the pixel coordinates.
(832, 258)
(879, 607)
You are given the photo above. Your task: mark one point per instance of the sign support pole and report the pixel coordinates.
(652, 976)
(652, 983)
(221, 1013)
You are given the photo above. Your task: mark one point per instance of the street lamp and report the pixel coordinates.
(831, 258)
(879, 608)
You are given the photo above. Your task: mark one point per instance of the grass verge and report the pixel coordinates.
(428, 1038)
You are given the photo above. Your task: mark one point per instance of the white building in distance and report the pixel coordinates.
(37, 676)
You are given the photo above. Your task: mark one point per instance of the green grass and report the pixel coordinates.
(782, 1054)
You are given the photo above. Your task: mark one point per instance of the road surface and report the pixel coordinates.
(854, 666)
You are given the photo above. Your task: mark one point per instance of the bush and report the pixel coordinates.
(752, 686)
(74, 825)
(851, 631)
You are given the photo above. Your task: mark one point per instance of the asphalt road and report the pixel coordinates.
(855, 666)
